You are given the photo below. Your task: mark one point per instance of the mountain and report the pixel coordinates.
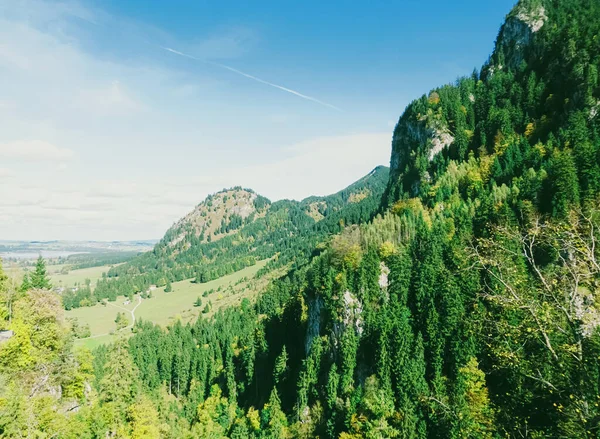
(219, 215)
(537, 95)
(228, 211)
(234, 228)
(464, 306)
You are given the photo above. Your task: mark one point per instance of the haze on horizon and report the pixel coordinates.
(105, 135)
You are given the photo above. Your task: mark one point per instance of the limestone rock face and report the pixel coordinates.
(517, 34)
(418, 133)
(352, 312)
(595, 110)
(315, 306)
(535, 18)
(384, 274)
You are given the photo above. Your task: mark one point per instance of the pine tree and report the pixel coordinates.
(121, 321)
(277, 427)
(26, 283)
(120, 383)
(39, 278)
(563, 187)
(280, 366)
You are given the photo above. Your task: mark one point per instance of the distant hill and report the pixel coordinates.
(236, 227)
(219, 215)
(70, 247)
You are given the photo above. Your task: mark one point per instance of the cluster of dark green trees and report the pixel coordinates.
(97, 259)
(466, 306)
(38, 278)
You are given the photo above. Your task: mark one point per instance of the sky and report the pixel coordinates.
(117, 117)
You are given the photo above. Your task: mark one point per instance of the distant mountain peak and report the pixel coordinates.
(217, 216)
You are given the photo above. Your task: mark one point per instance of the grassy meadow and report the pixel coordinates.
(76, 276)
(165, 308)
(57, 278)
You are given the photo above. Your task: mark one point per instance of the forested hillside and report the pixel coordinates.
(235, 228)
(467, 308)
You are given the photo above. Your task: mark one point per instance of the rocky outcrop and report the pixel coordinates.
(313, 327)
(206, 219)
(383, 276)
(407, 133)
(349, 318)
(517, 33)
(384, 273)
(595, 110)
(427, 133)
(352, 312)
(535, 18)
(440, 140)
(586, 312)
(350, 315)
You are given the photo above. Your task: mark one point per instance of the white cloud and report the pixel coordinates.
(10, 57)
(44, 11)
(6, 173)
(145, 143)
(137, 208)
(34, 150)
(319, 166)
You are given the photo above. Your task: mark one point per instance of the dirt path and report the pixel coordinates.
(132, 312)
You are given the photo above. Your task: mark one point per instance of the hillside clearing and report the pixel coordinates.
(76, 276)
(165, 308)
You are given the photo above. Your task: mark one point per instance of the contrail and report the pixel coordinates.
(254, 78)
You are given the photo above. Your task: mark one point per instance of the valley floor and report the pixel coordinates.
(165, 308)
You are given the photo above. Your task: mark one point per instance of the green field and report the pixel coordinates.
(61, 280)
(165, 308)
(76, 276)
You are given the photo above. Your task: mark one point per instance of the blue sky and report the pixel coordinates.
(106, 135)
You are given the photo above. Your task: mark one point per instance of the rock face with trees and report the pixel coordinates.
(465, 306)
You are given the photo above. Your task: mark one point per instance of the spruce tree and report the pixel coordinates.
(39, 278)
(26, 283)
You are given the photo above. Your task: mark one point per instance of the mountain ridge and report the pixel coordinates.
(234, 228)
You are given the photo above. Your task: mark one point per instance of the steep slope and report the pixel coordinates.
(540, 87)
